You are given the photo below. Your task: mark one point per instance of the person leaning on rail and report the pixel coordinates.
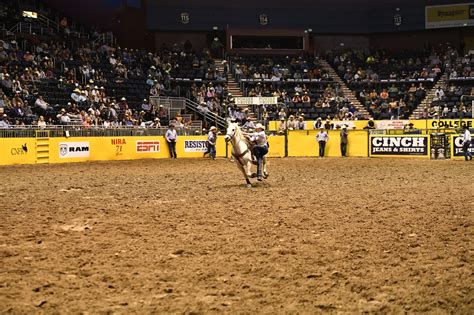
(171, 137)
(344, 138)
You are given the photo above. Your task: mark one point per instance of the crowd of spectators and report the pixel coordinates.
(60, 79)
(302, 87)
(454, 99)
(392, 85)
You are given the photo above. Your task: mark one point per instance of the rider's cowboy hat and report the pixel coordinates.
(259, 126)
(213, 128)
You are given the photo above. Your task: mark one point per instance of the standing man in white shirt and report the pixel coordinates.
(466, 143)
(322, 137)
(171, 137)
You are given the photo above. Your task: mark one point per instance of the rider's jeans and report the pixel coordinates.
(259, 153)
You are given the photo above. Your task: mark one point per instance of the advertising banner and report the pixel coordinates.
(449, 123)
(147, 146)
(195, 145)
(74, 149)
(259, 100)
(456, 146)
(391, 124)
(403, 145)
(456, 15)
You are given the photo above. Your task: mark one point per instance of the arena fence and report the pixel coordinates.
(29, 146)
(79, 131)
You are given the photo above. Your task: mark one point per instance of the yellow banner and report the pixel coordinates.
(449, 15)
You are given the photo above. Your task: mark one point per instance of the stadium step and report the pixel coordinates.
(426, 103)
(345, 89)
(42, 146)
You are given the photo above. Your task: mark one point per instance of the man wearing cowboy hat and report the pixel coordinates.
(322, 137)
(300, 125)
(261, 147)
(292, 124)
(466, 143)
(211, 143)
(171, 137)
(344, 136)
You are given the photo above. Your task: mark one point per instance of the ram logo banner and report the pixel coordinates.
(74, 149)
(456, 15)
(457, 146)
(148, 146)
(195, 146)
(399, 145)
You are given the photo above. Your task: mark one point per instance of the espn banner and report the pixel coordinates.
(403, 145)
(456, 15)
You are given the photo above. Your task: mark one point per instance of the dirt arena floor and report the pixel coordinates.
(187, 237)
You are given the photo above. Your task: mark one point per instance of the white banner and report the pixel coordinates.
(259, 100)
(195, 146)
(74, 149)
(391, 124)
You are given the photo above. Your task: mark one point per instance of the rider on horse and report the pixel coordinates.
(261, 147)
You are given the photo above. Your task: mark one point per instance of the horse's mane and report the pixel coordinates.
(238, 132)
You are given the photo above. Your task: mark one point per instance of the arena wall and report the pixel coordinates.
(82, 149)
(301, 143)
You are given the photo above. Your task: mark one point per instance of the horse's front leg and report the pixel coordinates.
(242, 169)
(248, 169)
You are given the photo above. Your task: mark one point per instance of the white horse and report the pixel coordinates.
(242, 152)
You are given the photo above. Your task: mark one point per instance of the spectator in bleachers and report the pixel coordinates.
(4, 124)
(63, 117)
(42, 105)
(292, 124)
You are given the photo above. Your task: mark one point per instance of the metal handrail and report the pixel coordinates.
(95, 131)
(219, 121)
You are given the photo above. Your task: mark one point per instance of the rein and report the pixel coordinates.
(238, 157)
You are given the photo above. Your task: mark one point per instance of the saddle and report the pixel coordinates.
(251, 145)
